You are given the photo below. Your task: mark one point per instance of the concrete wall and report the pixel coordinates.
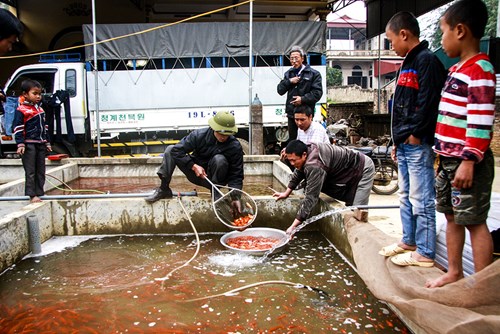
(56, 175)
(133, 216)
(12, 169)
(14, 236)
(12, 172)
(356, 94)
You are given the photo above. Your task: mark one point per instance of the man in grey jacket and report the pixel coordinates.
(337, 171)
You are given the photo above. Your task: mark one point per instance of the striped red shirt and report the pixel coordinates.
(467, 110)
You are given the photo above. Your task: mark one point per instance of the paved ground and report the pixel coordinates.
(388, 220)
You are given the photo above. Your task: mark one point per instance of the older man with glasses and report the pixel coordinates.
(302, 84)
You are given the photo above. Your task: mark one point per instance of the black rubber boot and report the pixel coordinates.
(158, 194)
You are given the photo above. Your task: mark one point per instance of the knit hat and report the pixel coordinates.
(224, 123)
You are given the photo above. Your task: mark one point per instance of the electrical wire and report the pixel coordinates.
(131, 34)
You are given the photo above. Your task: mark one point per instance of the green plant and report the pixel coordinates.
(333, 77)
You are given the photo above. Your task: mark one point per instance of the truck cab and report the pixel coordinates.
(54, 77)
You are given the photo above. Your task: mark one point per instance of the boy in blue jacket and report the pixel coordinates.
(414, 115)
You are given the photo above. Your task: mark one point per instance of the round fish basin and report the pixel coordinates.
(264, 232)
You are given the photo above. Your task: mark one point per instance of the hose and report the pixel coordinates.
(87, 196)
(167, 276)
(228, 293)
(68, 188)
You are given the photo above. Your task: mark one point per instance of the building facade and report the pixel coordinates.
(368, 63)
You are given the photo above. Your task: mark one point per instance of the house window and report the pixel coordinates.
(387, 44)
(357, 77)
(357, 71)
(71, 82)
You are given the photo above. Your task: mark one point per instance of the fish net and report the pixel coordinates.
(233, 207)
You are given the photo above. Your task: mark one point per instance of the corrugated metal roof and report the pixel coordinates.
(380, 11)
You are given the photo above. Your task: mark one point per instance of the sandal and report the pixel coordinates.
(407, 260)
(392, 250)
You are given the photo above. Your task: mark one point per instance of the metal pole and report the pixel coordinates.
(378, 79)
(34, 235)
(250, 92)
(498, 20)
(368, 207)
(89, 196)
(96, 82)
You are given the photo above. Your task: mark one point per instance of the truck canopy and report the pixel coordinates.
(208, 39)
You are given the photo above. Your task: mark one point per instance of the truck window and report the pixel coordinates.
(46, 79)
(71, 82)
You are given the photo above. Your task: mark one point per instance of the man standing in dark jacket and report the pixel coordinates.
(414, 115)
(337, 171)
(302, 84)
(10, 30)
(211, 152)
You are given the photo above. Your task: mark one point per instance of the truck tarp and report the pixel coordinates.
(210, 39)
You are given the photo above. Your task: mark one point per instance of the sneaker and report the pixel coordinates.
(159, 194)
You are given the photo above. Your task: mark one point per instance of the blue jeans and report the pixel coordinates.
(417, 197)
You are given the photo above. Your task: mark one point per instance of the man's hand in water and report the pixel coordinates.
(291, 230)
(236, 208)
(282, 195)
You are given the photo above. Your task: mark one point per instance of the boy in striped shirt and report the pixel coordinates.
(463, 134)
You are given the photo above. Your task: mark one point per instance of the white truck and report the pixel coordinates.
(155, 87)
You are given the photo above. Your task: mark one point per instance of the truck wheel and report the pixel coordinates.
(244, 145)
(282, 134)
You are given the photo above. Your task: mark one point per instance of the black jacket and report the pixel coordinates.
(309, 88)
(200, 146)
(417, 95)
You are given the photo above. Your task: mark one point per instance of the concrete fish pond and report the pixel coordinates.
(111, 252)
(113, 263)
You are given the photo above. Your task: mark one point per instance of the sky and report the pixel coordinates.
(357, 11)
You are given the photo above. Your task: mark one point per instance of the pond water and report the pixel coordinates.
(107, 285)
(253, 185)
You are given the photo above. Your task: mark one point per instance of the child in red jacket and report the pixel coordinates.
(30, 133)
